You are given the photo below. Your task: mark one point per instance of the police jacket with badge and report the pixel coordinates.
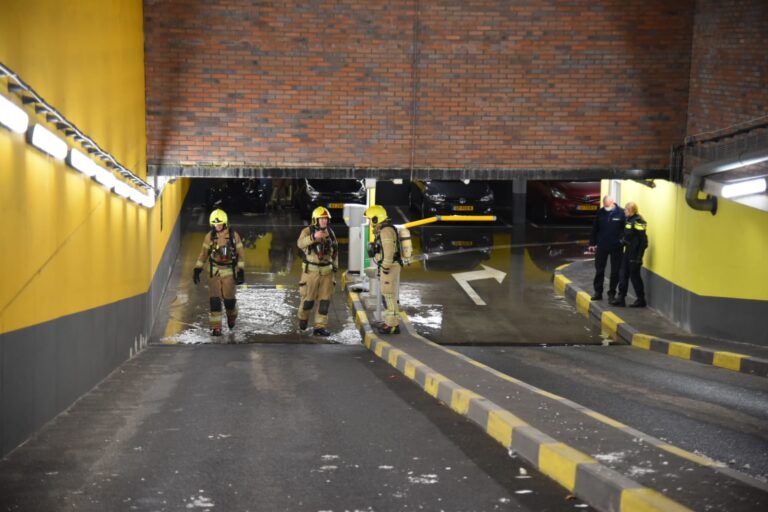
(608, 228)
(635, 238)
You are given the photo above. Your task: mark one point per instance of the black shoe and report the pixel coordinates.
(597, 296)
(639, 303)
(216, 331)
(618, 303)
(303, 324)
(321, 331)
(611, 296)
(388, 329)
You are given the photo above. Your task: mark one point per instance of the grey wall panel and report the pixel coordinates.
(733, 319)
(46, 367)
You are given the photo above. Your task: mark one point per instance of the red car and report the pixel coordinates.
(563, 200)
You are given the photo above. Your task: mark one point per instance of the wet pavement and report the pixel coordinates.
(721, 415)
(279, 419)
(266, 428)
(517, 297)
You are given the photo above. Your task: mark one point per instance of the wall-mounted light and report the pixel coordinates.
(13, 116)
(82, 163)
(47, 141)
(744, 188)
(122, 189)
(16, 119)
(149, 199)
(105, 177)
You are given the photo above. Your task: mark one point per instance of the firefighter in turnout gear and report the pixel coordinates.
(223, 251)
(320, 250)
(385, 250)
(635, 242)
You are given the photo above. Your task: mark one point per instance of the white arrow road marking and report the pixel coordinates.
(463, 278)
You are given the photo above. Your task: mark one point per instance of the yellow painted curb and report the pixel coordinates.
(410, 368)
(393, 355)
(560, 283)
(688, 455)
(460, 399)
(728, 360)
(610, 324)
(582, 303)
(432, 383)
(500, 425)
(642, 341)
(681, 350)
(559, 461)
(648, 500)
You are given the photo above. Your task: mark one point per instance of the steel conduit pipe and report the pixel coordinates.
(696, 179)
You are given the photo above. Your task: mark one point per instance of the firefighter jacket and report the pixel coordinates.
(319, 255)
(223, 250)
(387, 241)
(635, 237)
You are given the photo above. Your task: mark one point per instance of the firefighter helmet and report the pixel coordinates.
(218, 217)
(376, 213)
(318, 212)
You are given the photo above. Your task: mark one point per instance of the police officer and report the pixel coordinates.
(386, 253)
(223, 250)
(635, 241)
(605, 242)
(321, 260)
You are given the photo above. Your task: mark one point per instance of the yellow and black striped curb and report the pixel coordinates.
(612, 325)
(600, 486)
(719, 467)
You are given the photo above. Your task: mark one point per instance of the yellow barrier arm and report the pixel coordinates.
(450, 218)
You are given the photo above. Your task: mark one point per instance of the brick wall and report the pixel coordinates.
(553, 84)
(729, 64)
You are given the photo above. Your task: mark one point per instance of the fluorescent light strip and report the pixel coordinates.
(49, 142)
(13, 116)
(122, 189)
(82, 163)
(744, 188)
(105, 177)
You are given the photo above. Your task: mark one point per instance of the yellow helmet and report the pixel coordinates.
(320, 211)
(376, 213)
(218, 217)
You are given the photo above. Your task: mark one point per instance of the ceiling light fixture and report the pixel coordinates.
(744, 188)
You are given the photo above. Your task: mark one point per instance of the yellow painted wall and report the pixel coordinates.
(70, 245)
(718, 256)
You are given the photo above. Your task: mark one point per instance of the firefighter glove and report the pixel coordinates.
(196, 277)
(240, 276)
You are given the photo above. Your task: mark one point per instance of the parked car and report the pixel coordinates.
(239, 195)
(449, 197)
(329, 193)
(563, 200)
(451, 248)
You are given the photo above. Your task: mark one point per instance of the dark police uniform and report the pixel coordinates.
(635, 243)
(607, 231)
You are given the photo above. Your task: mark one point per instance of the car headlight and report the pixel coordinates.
(311, 192)
(436, 198)
(557, 193)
